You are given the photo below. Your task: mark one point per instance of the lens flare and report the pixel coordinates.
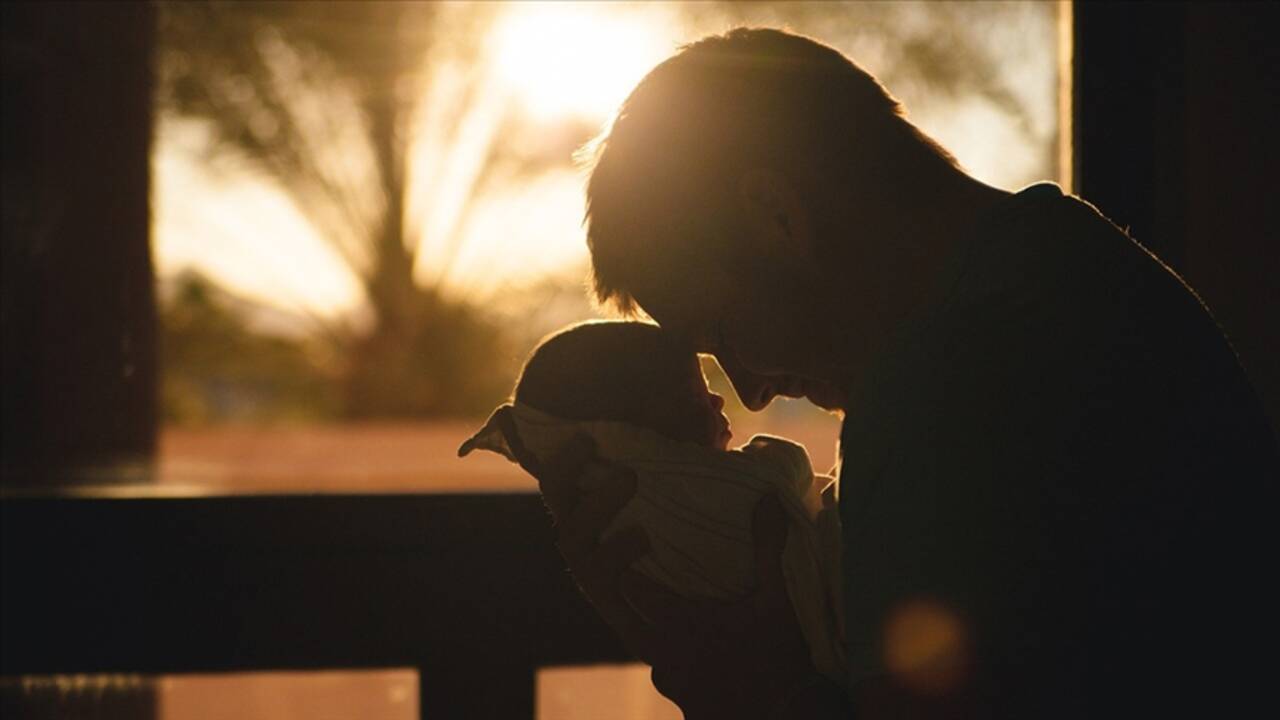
(926, 647)
(576, 58)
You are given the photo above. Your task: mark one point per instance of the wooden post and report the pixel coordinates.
(78, 310)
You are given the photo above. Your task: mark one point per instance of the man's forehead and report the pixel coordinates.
(683, 318)
(686, 307)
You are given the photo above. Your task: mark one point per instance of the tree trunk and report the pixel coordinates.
(391, 286)
(381, 380)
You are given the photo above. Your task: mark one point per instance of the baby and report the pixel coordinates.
(644, 401)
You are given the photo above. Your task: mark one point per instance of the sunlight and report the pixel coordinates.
(577, 58)
(242, 232)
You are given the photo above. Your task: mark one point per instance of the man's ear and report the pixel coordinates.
(771, 204)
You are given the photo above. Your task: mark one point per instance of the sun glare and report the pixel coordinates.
(577, 58)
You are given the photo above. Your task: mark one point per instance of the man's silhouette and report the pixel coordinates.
(1054, 474)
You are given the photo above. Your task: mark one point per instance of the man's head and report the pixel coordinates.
(742, 187)
(627, 372)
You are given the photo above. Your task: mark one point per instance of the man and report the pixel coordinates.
(1052, 466)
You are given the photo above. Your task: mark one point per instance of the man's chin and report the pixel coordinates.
(819, 393)
(825, 396)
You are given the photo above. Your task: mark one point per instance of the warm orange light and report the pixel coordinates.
(925, 647)
(576, 58)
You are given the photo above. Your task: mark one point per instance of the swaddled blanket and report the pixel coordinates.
(696, 503)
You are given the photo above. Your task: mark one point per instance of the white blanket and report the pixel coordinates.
(695, 503)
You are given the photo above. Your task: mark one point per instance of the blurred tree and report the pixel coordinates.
(215, 367)
(328, 100)
(940, 51)
(352, 106)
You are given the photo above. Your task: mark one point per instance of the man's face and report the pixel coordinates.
(768, 337)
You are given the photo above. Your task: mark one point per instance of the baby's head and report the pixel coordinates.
(627, 372)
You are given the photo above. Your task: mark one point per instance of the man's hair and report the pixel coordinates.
(602, 370)
(664, 176)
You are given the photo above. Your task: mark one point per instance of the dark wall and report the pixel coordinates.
(1232, 157)
(1177, 110)
(77, 309)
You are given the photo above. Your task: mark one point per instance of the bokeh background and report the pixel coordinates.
(366, 214)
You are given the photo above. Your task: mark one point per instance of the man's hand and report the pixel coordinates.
(584, 495)
(712, 659)
(728, 660)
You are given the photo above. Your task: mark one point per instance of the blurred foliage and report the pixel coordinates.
(216, 368)
(453, 361)
(940, 46)
(941, 51)
(221, 362)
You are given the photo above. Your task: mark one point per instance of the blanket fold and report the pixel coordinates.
(696, 503)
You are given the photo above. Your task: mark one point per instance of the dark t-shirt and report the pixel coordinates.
(1062, 476)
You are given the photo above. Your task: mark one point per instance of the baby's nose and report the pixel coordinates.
(717, 401)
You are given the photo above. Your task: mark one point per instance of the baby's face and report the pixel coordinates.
(689, 411)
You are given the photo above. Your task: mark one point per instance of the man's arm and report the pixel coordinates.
(746, 659)
(743, 660)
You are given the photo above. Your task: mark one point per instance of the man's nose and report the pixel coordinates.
(717, 401)
(755, 391)
(756, 394)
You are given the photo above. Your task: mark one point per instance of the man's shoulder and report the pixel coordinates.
(1055, 274)
(1060, 322)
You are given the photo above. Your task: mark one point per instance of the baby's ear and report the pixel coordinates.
(516, 450)
(491, 437)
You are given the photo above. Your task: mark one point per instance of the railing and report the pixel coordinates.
(466, 588)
